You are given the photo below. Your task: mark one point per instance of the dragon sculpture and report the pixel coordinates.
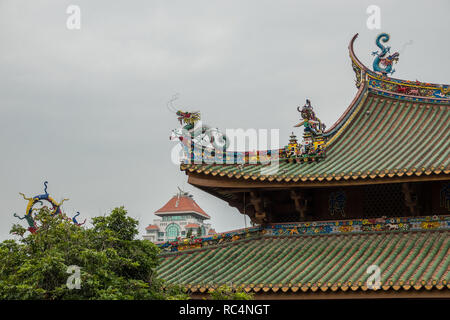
(74, 219)
(32, 226)
(193, 130)
(383, 63)
(189, 119)
(33, 201)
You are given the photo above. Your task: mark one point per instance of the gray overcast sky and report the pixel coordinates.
(86, 109)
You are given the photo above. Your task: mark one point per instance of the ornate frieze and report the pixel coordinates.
(315, 228)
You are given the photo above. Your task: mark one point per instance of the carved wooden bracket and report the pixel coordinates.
(411, 199)
(301, 203)
(257, 202)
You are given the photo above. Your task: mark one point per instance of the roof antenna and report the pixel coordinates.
(178, 197)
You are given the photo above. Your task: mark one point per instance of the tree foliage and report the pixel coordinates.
(225, 292)
(113, 264)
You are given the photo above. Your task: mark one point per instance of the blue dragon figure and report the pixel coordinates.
(74, 220)
(383, 62)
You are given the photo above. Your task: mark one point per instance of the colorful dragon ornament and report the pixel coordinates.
(33, 201)
(194, 131)
(383, 62)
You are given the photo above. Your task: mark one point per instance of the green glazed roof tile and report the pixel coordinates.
(334, 260)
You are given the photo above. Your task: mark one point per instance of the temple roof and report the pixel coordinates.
(412, 254)
(392, 129)
(384, 138)
(152, 227)
(181, 203)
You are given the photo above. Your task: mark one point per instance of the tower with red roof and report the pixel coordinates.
(177, 217)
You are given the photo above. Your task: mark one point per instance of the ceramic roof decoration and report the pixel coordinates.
(382, 63)
(311, 147)
(194, 131)
(37, 202)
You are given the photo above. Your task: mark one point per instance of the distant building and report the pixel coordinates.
(179, 216)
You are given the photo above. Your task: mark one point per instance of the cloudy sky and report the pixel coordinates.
(86, 109)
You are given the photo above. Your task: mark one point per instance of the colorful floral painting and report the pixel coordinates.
(315, 228)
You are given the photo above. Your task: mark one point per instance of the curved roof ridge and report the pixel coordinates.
(410, 90)
(367, 80)
(362, 89)
(347, 113)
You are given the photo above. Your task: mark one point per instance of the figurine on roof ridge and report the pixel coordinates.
(382, 63)
(312, 146)
(194, 131)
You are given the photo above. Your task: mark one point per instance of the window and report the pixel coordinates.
(383, 200)
(173, 231)
(173, 218)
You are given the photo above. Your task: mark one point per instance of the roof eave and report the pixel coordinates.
(166, 213)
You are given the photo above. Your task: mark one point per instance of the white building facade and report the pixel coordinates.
(180, 217)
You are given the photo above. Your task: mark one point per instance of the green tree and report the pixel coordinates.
(199, 232)
(225, 292)
(113, 265)
(189, 233)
